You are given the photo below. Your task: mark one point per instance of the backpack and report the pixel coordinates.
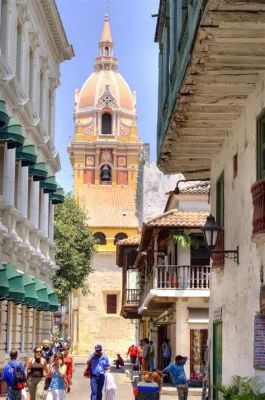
(19, 378)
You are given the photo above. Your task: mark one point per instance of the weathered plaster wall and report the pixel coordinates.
(114, 332)
(236, 287)
(156, 186)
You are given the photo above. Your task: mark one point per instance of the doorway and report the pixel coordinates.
(217, 355)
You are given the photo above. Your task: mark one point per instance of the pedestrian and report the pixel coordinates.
(36, 369)
(146, 355)
(99, 364)
(10, 375)
(140, 353)
(70, 368)
(178, 376)
(152, 356)
(57, 374)
(47, 352)
(57, 346)
(132, 352)
(119, 361)
(166, 348)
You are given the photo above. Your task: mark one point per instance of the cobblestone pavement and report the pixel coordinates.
(81, 386)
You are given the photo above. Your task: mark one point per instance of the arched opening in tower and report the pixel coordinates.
(105, 175)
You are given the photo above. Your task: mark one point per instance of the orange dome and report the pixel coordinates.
(95, 86)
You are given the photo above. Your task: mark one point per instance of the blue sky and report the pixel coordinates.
(133, 31)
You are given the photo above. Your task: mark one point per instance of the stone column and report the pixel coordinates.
(44, 213)
(99, 123)
(114, 123)
(8, 30)
(119, 125)
(9, 176)
(23, 191)
(23, 317)
(9, 326)
(44, 113)
(34, 204)
(36, 80)
(154, 338)
(52, 115)
(182, 331)
(51, 221)
(24, 72)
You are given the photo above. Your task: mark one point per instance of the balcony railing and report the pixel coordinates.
(258, 199)
(133, 297)
(180, 277)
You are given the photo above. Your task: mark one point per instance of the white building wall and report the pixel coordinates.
(236, 287)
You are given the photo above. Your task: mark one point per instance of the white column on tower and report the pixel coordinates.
(9, 176)
(44, 213)
(24, 76)
(51, 220)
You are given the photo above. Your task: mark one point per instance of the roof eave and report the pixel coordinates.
(160, 20)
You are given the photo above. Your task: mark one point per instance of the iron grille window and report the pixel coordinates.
(111, 304)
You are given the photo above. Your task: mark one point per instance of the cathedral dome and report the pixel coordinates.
(95, 87)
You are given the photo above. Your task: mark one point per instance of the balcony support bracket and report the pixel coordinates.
(230, 254)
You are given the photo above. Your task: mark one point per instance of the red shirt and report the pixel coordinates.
(132, 351)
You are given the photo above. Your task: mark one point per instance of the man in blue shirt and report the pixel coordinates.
(177, 373)
(8, 376)
(98, 363)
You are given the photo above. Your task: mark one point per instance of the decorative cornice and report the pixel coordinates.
(58, 33)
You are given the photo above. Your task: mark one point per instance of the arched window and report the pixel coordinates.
(100, 237)
(120, 236)
(105, 175)
(106, 124)
(106, 52)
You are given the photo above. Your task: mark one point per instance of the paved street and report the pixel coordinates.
(81, 386)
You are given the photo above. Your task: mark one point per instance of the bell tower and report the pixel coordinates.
(105, 154)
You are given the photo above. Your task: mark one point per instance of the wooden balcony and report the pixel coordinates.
(258, 199)
(132, 302)
(166, 283)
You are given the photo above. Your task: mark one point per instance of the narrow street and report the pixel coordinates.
(81, 386)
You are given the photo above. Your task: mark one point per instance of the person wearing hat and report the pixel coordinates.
(98, 364)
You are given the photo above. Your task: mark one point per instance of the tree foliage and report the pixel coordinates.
(75, 248)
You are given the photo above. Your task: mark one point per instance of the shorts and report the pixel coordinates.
(133, 359)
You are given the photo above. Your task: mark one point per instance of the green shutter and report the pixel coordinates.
(12, 134)
(15, 281)
(26, 153)
(49, 184)
(220, 200)
(31, 297)
(42, 293)
(217, 356)
(3, 113)
(261, 147)
(58, 196)
(4, 285)
(38, 170)
(53, 300)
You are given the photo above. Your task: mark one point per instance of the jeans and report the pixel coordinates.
(183, 391)
(13, 394)
(97, 383)
(151, 364)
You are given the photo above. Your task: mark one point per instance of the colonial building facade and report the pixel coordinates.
(211, 125)
(33, 44)
(105, 154)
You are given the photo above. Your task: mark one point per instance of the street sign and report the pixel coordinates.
(259, 342)
(217, 313)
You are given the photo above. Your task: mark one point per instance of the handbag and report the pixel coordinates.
(87, 371)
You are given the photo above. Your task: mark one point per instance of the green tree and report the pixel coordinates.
(75, 247)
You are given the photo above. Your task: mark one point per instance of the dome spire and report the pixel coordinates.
(106, 60)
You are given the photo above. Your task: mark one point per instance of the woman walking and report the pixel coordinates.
(70, 368)
(36, 369)
(57, 374)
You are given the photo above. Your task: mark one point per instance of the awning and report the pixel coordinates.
(15, 282)
(3, 113)
(198, 315)
(53, 299)
(12, 133)
(31, 298)
(4, 285)
(42, 293)
(49, 184)
(26, 153)
(38, 170)
(58, 196)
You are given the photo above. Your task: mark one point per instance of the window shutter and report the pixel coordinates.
(111, 304)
